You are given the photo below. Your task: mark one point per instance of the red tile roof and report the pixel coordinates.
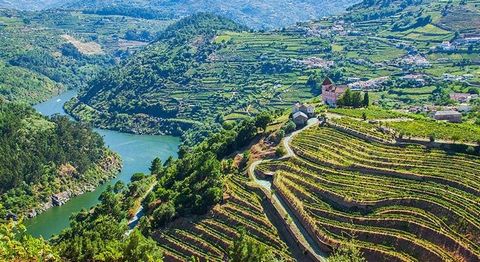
(327, 82)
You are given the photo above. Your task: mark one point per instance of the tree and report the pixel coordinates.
(163, 214)
(156, 167)
(280, 151)
(137, 177)
(364, 116)
(247, 249)
(346, 99)
(312, 82)
(16, 245)
(289, 127)
(140, 248)
(357, 100)
(262, 120)
(366, 99)
(347, 252)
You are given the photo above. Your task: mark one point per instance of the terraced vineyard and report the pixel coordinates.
(400, 203)
(371, 130)
(209, 238)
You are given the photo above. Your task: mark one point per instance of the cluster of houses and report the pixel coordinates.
(464, 39)
(451, 114)
(412, 61)
(316, 62)
(330, 94)
(301, 113)
(369, 85)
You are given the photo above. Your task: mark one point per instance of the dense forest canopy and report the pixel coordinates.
(43, 156)
(32, 144)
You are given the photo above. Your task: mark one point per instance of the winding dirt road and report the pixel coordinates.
(300, 234)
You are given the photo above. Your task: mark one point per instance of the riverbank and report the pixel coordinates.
(139, 123)
(77, 184)
(136, 152)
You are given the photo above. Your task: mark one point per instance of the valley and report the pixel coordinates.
(135, 151)
(142, 130)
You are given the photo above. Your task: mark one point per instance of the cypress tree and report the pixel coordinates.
(366, 99)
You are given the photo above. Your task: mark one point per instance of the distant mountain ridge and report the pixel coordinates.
(253, 13)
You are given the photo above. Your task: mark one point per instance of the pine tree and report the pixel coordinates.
(366, 99)
(156, 167)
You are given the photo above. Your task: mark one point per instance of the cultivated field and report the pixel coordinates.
(399, 203)
(209, 237)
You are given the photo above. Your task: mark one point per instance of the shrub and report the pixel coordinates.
(280, 151)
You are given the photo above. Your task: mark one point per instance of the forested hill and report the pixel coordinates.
(30, 4)
(254, 13)
(42, 157)
(162, 86)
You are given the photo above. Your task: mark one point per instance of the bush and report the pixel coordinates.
(163, 214)
(289, 127)
(280, 151)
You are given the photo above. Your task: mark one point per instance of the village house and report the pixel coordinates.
(331, 92)
(446, 46)
(369, 85)
(463, 97)
(450, 116)
(300, 118)
(307, 109)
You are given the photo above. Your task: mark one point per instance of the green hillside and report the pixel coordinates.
(197, 79)
(42, 157)
(42, 53)
(256, 14)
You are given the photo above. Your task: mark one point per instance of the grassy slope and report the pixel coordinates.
(34, 43)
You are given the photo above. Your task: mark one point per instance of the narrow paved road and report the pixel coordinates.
(132, 223)
(296, 226)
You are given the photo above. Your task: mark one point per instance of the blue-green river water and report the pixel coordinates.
(136, 151)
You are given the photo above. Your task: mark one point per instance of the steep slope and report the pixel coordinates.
(257, 14)
(44, 52)
(194, 76)
(46, 161)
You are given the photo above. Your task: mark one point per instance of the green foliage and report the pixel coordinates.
(16, 245)
(42, 156)
(263, 119)
(163, 214)
(280, 151)
(366, 100)
(193, 183)
(99, 235)
(37, 61)
(156, 167)
(289, 127)
(347, 252)
(372, 113)
(464, 132)
(351, 99)
(247, 249)
(21, 85)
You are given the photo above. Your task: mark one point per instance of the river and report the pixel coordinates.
(136, 151)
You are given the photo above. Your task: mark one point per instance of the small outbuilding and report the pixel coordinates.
(450, 116)
(307, 109)
(300, 118)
